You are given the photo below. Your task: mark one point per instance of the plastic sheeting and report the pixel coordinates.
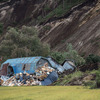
(52, 77)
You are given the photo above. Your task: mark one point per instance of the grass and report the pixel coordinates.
(49, 93)
(3, 0)
(67, 78)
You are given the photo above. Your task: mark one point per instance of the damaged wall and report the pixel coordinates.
(32, 71)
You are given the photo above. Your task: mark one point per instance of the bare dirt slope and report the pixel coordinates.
(81, 28)
(23, 12)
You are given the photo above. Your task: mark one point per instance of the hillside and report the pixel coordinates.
(28, 26)
(80, 27)
(58, 26)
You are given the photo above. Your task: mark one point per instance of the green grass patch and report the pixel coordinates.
(49, 93)
(67, 78)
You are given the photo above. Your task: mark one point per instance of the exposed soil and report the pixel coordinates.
(79, 26)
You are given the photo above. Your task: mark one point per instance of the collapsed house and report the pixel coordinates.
(32, 71)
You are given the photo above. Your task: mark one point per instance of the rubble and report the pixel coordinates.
(25, 79)
(1, 81)
(44, 71)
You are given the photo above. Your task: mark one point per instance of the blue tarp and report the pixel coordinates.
(52, 77)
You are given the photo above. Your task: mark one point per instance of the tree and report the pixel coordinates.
(23, 43)
(1, 28)
(63, 3)
(73, 54)
(70, 54)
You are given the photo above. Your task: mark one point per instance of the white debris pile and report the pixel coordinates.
(4, 78)
(20, 80)
(44, 71)
(25, 79)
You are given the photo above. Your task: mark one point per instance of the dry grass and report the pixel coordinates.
(49, 93)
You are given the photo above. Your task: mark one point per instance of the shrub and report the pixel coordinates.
(70, 54)
(3, 0)
(68, 78)
(47, 28)
(98, 78)
(59, 56)
(47, 8)
(91, 84)
(21, 52)
(95, 83)
(92, 59)
(1, 28)
(22, 43)
(73, 54)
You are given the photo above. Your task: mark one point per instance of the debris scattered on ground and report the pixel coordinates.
(4, 78)
(26, 79)
(1, 81)
(44, 71)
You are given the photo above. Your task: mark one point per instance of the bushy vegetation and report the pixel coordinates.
(91, 84)
(46, 28)
(1, 28)
(59, 56)
(67, 78)
(92, 58)
(94, 83)
(22, 43)
(98, 79)
(70, 54)
(3, 0)
(73, 54)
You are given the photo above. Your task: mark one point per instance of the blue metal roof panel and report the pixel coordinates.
(23, 60)
(67, 66)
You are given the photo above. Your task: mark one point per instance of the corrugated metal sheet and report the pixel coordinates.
(52, 77)
(67, 66)
(18, 63)
(32, 63)
(23, 60)
(55, 65)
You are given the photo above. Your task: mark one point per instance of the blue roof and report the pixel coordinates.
(24, 60)
(17, 63)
